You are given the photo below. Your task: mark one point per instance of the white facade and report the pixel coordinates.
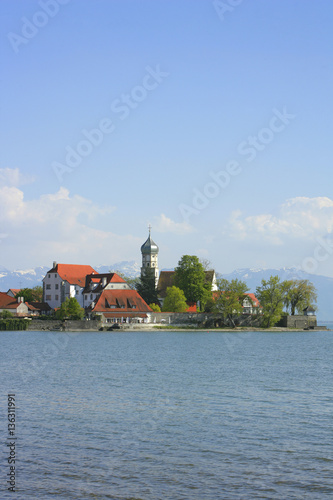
(56, 290)
(89, 296)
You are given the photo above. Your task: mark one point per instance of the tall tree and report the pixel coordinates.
(299, 294)
(190, 277)
(271, 295)
(146, 286)
(175, 300)
(34, 294)
(230, 298)
(70, 309)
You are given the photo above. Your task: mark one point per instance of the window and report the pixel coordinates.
(49, 275)
(57, 297)
(56, 276)
(77, 292)
(86, 297)
(48, 297)
(48, 287)
(91, 295)
(56, 286)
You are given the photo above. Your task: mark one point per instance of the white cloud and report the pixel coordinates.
(13, 177)
(164, 224)
(59, 227)
(298, 218)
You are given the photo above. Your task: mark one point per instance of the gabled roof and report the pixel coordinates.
(165, 280)
(8, 302)
(39, 306)
(112, 300)
(254, 299)
(97, 280)
(14, 291)
(74, 274)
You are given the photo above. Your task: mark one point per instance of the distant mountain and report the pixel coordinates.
(27, 278)
(31, 277)
(323, 284)
(128, 268)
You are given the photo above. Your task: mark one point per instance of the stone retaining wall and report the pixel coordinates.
(54, 325)
(298, 321)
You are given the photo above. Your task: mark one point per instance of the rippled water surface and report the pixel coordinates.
(181, 415)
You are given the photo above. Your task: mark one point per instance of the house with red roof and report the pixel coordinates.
(12, 292)
(65, 280)
(120, 306)
(15, 306)
(251, 304)
(96, 283)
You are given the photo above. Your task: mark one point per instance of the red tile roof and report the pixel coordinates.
(122, 301)
(14, 291)
(8, 302)
(75, 274)
(256, 302)
(98, 279)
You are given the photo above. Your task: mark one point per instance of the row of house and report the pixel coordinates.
(107, 295)
(18, 307)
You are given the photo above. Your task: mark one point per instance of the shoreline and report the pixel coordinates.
(179, 328)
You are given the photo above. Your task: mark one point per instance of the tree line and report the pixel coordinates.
(276, 297)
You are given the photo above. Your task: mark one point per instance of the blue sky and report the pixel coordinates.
(185, 93)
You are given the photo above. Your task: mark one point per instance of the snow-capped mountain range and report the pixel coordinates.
(29, 278)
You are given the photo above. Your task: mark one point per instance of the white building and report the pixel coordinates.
(96, 283)
(65, 280)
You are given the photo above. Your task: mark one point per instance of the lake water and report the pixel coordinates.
(169, 415)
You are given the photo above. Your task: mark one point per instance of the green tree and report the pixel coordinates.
(190, 277)
(271, 295)
(298, 294)
(34, 294)
(230, 298)
(70, 309)
(146, 287)
(175, 300)
(155, 307)
(6, 315)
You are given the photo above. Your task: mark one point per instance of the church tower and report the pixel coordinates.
(149, 251)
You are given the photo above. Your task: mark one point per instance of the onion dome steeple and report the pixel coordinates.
(149, 251)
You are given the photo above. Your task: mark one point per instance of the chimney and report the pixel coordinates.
(54, 264)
